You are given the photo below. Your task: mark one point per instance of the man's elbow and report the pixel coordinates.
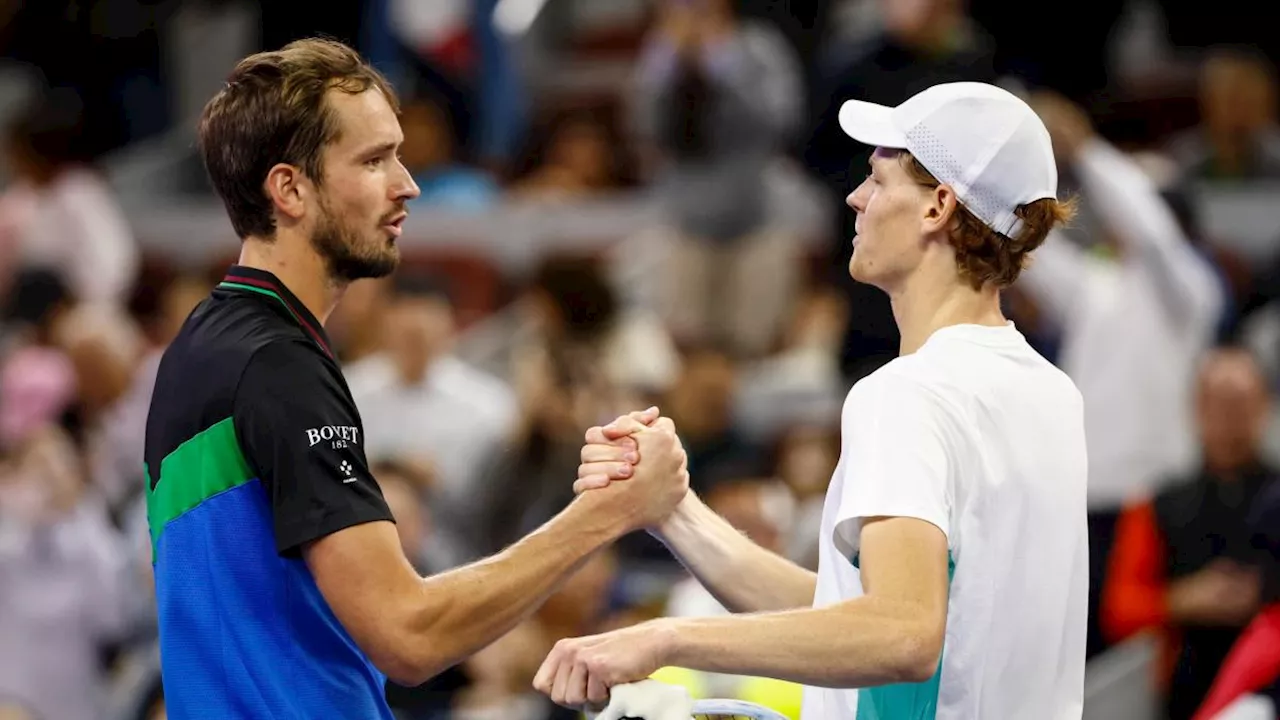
(411, 652)
(920, 652)
(408, 666)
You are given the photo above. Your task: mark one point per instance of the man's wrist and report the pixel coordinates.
(670, 635)
(593, 509)
(682, 516)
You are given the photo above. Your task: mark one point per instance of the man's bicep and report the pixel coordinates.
(303, 438)
(906, 560)
(370, 587)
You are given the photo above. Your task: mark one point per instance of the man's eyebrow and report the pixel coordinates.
(379, 149)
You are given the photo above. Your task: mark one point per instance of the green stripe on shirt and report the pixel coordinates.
(209, 463)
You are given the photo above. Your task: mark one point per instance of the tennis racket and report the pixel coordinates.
(723, 709)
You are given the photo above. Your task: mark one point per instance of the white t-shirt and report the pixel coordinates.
(979, 435)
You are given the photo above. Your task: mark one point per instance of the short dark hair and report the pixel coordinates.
(273, 110)
(51, 128)
(581, 292)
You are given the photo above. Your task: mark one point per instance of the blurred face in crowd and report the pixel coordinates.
(916, 22)
(702, 399)
(581, 147)
(752, 507)
(361, 203)
(1237, 97)
(104, 348)
(419, 329)
(887, 245)
(428, 140)
(1232, 405)
(807, 458)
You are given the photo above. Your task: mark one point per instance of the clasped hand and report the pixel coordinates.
(639, 450)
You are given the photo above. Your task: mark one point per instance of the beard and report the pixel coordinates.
(346, 257)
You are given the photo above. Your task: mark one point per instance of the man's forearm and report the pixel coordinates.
(470, 607)
(743, 576)
(860, 643)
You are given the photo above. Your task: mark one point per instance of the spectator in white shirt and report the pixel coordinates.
(1134, 317)
(60, 213)
(63, 580)
(423, 405)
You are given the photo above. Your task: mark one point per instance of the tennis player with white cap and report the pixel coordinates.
(953, 566)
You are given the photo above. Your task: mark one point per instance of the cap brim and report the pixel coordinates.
(871, 124)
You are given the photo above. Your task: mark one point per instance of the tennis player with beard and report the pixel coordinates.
(953, 564)
(281, 585)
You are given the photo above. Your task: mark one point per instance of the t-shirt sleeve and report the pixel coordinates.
(899, 457)
(302, 436)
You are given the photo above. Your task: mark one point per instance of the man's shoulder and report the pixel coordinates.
(904, 380)
(908, 374)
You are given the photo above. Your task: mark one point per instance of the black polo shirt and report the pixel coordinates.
(254, 448)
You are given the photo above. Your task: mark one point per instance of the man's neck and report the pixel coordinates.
(925, 305)
(299, 267)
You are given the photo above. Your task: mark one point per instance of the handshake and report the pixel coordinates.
(634, 472)
(634, 469)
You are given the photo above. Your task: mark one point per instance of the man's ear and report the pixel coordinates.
(288, 189)
(941, 210)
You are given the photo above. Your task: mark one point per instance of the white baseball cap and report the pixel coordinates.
(983, 141)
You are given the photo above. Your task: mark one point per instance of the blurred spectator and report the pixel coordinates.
(717, 100)
(430, 153)
(403, 485)
(422, 404)
(922, 43)
(1251, 671)
(529, 479)
(760, 508)
(63, 579)
(1135, 314)
(457, 44)
(1183, 561)
(575, 359)
(1238, 137)
(572, 308)
(577, 154)
(36, 300)
(763, 510)
(160, 305)
(701, 404)
(59, 213)
(105, 346)
(801, 383)
(504, 671)
(806, 460)
(356, 325)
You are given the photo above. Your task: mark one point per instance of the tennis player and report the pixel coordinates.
(282, 588)
(953, 558)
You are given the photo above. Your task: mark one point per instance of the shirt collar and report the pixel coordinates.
(261, 282)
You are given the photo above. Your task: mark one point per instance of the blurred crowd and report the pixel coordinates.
(745, 334)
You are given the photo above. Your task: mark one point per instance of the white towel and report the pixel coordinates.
(648, 699)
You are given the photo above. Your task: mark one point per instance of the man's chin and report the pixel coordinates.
(368, 268)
